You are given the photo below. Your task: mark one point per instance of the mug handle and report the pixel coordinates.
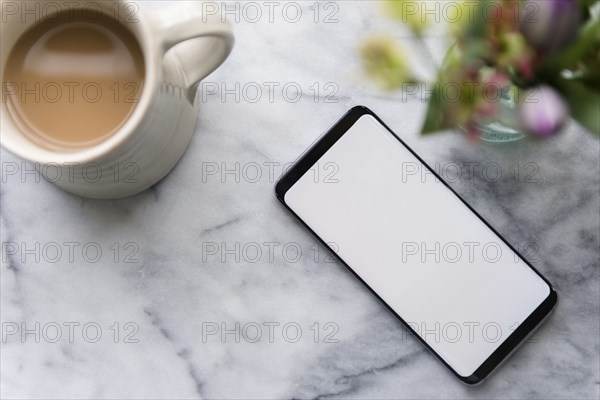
(177, 28)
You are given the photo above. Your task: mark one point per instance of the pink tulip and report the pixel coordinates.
(542, 112)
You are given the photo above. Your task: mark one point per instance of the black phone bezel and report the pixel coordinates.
(311, 157)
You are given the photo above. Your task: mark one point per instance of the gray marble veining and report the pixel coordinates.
(209, 249)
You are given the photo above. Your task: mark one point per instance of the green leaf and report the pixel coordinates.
(434, 118)
(587, 3)
(588, 38)
(592, 80)
(477, 27)
(583, 102)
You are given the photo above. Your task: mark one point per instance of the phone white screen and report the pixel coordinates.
(418, 246)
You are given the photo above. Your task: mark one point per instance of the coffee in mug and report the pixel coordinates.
(100, 96)
(71, 82)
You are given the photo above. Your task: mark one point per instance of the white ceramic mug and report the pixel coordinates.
(180, 47)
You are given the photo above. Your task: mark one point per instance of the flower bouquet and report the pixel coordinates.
(518, 67)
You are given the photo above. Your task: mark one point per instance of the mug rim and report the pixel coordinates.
(151, 51)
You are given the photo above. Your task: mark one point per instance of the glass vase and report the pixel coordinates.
(503, 127)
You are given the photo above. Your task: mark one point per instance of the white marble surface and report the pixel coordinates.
(175, 289)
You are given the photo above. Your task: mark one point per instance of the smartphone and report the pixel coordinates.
(432, 260)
